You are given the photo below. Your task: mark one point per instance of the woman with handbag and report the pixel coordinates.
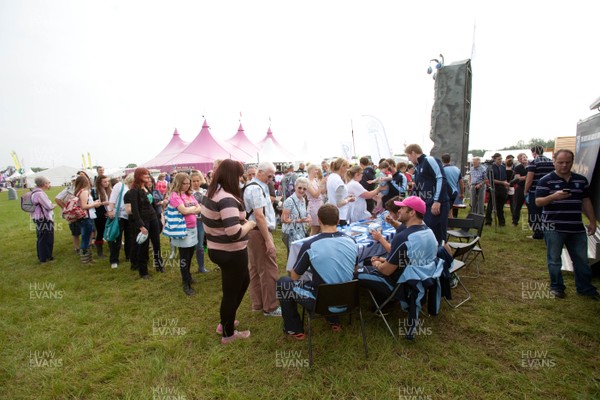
(144, 222)
(87, 204)
(182, 199)
(295, 217)
(101, 192)
(226, 229)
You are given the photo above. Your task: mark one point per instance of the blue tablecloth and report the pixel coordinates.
(366, 246)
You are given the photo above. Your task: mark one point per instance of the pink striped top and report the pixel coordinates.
(222, 216)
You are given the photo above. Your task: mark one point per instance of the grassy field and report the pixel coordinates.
(69, 331)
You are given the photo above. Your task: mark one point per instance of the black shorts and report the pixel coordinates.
(75, 228)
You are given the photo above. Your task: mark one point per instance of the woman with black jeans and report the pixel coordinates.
(144, 220)
(184, 201)
(120, 189)
(226, 229)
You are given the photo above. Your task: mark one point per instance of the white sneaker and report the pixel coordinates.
(114, 265)
(275, 313)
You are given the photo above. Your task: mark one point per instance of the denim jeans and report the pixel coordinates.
(576, 244)
(87, 226)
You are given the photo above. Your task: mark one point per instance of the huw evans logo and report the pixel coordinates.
(535, 290)
(167, 327)
(44, 359)
(536, 359)
(290, 359)
(412, 393)
(167, 393)
(44, 291)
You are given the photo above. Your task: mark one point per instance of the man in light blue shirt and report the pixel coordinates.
(457, 185)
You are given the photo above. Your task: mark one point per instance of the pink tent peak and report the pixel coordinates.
(284, 152)
(241, 142)
(173, 148)
(203, 149)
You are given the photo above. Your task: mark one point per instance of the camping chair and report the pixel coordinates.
(416, 284)
(478, 224)
(333, 300)
(461, 256)
(459, 228)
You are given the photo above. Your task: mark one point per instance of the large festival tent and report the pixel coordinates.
(58, 176)
(271, 150)
(202, 151)
(172, 149)
(241, 142)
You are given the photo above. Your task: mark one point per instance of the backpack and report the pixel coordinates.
(73, 211)
(249, 213)
(27, 203)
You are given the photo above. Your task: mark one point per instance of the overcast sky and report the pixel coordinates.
(115, 78)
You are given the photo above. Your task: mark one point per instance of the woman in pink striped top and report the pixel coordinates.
(226, 229)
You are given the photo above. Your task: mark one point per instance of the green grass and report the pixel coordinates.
(101, 337)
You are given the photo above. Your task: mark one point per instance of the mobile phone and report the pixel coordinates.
(566, 190)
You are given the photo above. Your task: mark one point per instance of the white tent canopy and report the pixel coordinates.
(58, 176)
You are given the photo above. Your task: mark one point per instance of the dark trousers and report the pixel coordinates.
(185, 262)
(370, 205)
(518, 200)
(115, 245)
(289, 300)
(500, 197)
(235, 279)
(141, 250)
(535, 217)
(44, 229)
(438, 223)
(100, 223)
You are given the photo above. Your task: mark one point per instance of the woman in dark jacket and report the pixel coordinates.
(144, 220)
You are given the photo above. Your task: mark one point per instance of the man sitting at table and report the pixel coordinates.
(415, 245)
(331, 258)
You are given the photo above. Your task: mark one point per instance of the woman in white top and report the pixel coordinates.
(120, 189)
(358, 209)
(337, 193)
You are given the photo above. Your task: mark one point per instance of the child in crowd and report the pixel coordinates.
(383, 178)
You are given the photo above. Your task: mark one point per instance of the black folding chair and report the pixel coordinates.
(379, 307)
(334, 300)
(461, 257)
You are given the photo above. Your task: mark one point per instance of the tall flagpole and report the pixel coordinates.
(353, 144)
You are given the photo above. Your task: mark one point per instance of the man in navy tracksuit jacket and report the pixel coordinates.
(430, 184)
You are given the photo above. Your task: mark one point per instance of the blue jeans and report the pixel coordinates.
(87, 226)
(576, 244)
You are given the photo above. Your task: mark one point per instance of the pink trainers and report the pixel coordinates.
(220, 327)
(236, 335)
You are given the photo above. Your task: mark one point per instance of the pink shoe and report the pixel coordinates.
(220, 327)
(236, 335)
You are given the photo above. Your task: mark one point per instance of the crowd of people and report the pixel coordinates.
(234, 210)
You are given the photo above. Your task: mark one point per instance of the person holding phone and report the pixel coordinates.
(564, 195)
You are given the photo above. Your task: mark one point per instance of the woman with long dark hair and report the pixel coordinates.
(101, 192)
(184, 201)
(226, 229)
(144, 220)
